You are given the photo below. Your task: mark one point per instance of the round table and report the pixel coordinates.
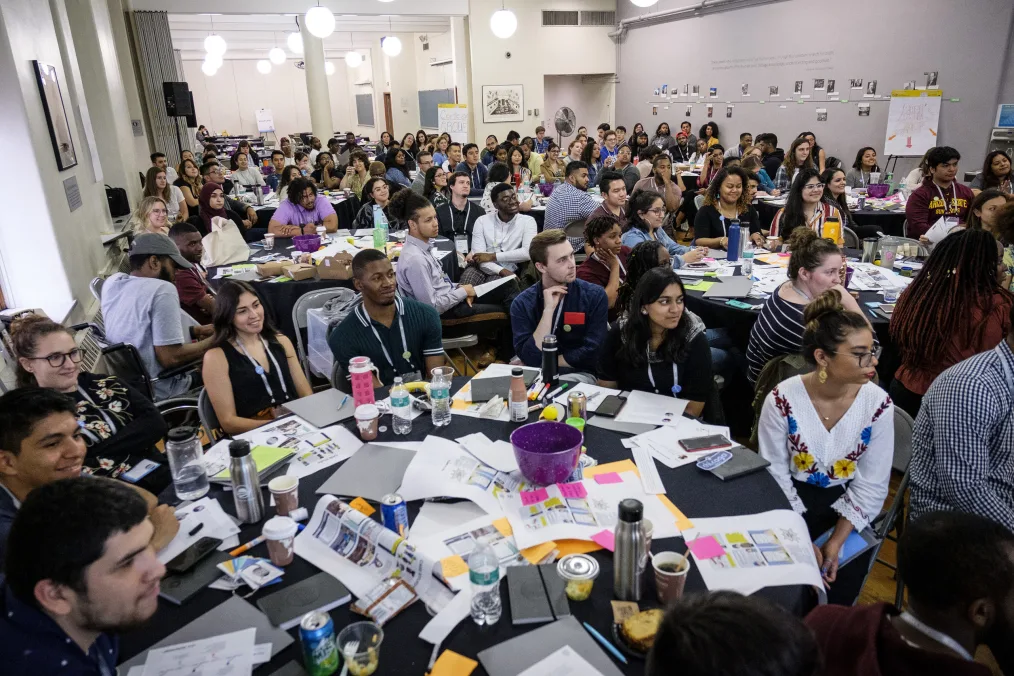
(280, 297)
(698, 494)
(888, 222)
(347, 209)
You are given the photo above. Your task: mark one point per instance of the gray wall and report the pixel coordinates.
(776, 44)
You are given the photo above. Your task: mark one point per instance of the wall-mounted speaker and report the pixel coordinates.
(177, 99)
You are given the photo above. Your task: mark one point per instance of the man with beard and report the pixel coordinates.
(143, 309)
(196, 297)
(400, 335)
(80, 569)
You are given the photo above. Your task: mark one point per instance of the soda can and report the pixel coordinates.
(862, 203)
(394, 514)
(320, 646)
(577, 405)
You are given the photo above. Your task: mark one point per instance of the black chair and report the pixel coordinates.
(209, 419)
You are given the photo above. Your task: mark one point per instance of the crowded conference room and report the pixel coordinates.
(507, 338)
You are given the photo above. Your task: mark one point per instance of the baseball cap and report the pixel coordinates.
(682, 133)
(154, 244)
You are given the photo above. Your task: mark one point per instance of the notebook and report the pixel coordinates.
(731, 287)
(232, 615)
(286, 607)
(529, 603)
(372, 472)
(855, 544)
(323, 409)
(178, 588)
(743, 462)
(521, 652)
(269, 459)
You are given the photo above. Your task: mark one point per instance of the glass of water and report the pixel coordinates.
(186, 463)
(890, 293)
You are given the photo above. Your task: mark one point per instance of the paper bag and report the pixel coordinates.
(224, 245)
(270, 269)
(338, 266)
(301, 271)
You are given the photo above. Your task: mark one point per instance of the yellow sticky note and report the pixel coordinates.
(538, 552)
(451, 663)
(618, 467)
(735, 538)
(361, 505)
(699, 286)
(565, 547)
(504, 527)
(453, 566)
(682, 522)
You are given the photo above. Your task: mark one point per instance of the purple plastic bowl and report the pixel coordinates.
(848, 275)
(878, 190)
(546, 189)
(547, 452)
(306, 243)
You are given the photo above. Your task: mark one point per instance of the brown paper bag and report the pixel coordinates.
(338, 266)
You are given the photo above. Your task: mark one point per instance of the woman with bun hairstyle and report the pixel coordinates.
(829, 436)
(955, 308)
(814, 267)
(119, 425)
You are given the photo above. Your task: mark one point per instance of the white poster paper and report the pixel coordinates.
(453, 119)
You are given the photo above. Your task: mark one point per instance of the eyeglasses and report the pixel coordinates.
(813, 186)
(159, 211)
(57, 359)
(866, 358)
(658, 211)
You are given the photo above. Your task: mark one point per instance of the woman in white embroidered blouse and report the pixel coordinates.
(829, 436)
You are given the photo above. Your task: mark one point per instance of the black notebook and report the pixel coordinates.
(178, 588)
(743, 462)
(286, 607)
(537, 594)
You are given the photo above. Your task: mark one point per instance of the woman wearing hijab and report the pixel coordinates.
(211, 203)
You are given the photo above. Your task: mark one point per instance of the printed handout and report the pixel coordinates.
(652, 409)
(225, 655)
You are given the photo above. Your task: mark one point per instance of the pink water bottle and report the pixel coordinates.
(361, 374)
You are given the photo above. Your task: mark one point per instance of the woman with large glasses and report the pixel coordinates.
(435, 188)
(829, 436)
(662, 347)
(120, 426)
(645, 216)
(956, 307)
(805, 207)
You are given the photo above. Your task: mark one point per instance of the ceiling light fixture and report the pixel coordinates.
(503, 23)
(353, 59)
(644, 3)
(390, 44)
(320, 21)
(214, 44)
(263, 66)
(208, 69)
(329, 68)
(277, 56)
(213, 60)
(294, 41)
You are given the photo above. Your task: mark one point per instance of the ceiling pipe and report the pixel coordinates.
(689, 12)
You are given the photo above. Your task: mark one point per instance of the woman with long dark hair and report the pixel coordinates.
(251, 368)
(553, 168)
(953, 309)
(435, 187)
(643, 257)
(818, 157)
(991, 211)
(797, 159)
(189, 182)
(804, 207)
(709, 133)
(289, 173)
(517, 167)
(408, 145)
(663, 139)
(662, 347)
(834, 194)
(376, 191)
(859, 175)
(996, 173)
(420, 140)
(592, 156)
(645, 216)
(726, 200)
(156, 185)
(397, 167)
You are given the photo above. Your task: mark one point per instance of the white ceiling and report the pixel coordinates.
(250, 36)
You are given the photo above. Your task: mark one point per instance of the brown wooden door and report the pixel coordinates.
(388, 114)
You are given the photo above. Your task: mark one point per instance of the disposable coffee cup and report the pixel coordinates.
(670, 576)
(269, 241)
(280, 532)
(367, 420)
(285, 491)
(648, 528)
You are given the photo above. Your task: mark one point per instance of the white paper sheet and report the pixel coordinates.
(444, 622)
(437, 517)
(331, 446)
(497, 454)
(482, 289)
(225, 655)
(769, 549)
(564, 662)
(940, 229)
(663, 442)
(652, 409)
(207, 511)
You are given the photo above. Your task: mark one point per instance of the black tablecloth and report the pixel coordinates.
(696, 493)
(347, 209)
(887, 222)
(281, 297)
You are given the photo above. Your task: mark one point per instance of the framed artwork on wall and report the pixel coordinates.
(503, 103)
(56, 114)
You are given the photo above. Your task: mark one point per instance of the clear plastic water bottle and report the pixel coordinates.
(747, 264)
(379, 228)
(484, 573)
(440, 395)
(186, 463)
(401, 408)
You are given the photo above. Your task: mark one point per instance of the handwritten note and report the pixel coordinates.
(624, 609)
(606, 539)
(574, 490)
(608, 478)
(504, 527)
(706, 547)
(361, 505)
(531, 497)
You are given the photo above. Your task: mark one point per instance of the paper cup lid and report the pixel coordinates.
(578, 567)
(279, 528)
(367, 412)
(283, 483)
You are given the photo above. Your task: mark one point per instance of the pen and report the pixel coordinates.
(248, 546)
(344, 399)
(433, 657)
(605, 643)
(557, 391)
(196, 529)
(542, 394)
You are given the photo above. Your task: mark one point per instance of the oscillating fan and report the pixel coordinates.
(565, 122)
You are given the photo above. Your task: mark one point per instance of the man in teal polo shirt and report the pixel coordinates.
(401, 336)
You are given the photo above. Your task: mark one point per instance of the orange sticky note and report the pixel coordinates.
(682, 522)
(451, 663)
(361, 505)
(453, 566)
(565, 547)
(504, 527)
(620, 466)
(538, 552)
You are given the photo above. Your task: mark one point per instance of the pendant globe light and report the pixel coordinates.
(320, 21)
(213, 60)
(294, 41)
(353, 59)
(263, 66)
(644, 3)
(503, 23)
(391, 44)
(208, 69)
(214, 43)
(276, 56)
(329, 68)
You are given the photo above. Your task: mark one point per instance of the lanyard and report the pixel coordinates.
(473, 176)
(683, 152)
(404, 343)
(559, 313)
(944, 199)
(468, 212)
(260, 369)
(863, 178)
(675, 376)
(937, 636)
(623, 270)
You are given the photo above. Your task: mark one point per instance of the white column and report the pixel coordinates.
(463, 70)
(316, 85)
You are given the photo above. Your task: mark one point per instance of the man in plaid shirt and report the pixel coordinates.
(570, 202)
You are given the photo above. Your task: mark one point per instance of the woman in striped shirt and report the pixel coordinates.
(814, 267)
(805, 207)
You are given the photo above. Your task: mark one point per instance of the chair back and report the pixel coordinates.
(699, 200)
(339, 379)
(575, 228)
(903, 428)
(124, 361)
(95, 286)
(851, 238)
(209, 419)
(775, 371)
(309, 301)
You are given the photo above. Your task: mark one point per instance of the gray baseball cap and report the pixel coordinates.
(154, 244)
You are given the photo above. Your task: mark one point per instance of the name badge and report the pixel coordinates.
(573, 318)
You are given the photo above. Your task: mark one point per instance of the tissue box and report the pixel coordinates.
(301, 271)
(338, 266)
(270, 269)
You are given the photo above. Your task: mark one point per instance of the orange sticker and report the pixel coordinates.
(504, 526)
(451, 663)
(535, 554)
(361, 505)
(453, 566)
(682, 522)
(619, 466)
(576, 547)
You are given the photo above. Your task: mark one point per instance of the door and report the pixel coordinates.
(388, 114)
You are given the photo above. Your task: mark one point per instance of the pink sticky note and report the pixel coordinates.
(784, 254)
(708, 260)
(605, 538)
(608, 478)
(574, 490)
(531, 497)
(706, 547)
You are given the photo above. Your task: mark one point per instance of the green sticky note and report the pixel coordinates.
(699, 286)
(711, 274)
(282, 279)
(955, 100)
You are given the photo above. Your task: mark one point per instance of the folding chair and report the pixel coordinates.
(459, 344)
(576, 229)
(209, 419)
(309, 301)
(851, 238)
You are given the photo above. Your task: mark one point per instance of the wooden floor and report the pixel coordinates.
(881, 585)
